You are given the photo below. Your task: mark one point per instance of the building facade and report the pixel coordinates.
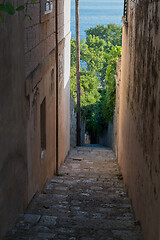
(35, 102)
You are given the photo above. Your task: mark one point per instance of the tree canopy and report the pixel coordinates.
(112, 33)
(100, 52)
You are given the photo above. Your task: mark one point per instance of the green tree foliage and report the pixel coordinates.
(92, 53)
(99, 55)
(111, 33)
(89, 88)
(99, 41)
(108, 103)
(73, 53)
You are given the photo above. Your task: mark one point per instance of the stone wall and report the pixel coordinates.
(73, 126)
(116, 115)
(64, 82)
(13, 121)
(28, 104)
(40, 62)
(106, 138)
(139, 115)
(83, 129)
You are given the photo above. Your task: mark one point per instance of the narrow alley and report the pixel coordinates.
(86, 201)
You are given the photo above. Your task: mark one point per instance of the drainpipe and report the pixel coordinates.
(57, 78)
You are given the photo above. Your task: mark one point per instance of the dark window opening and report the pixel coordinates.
(43, 123)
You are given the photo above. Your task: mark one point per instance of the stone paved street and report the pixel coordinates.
(87, 201)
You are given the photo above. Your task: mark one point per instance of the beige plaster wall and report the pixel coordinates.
(41, 162)
(64, 100)
(40, 72)
(27, 76)
(40, 62)
(139, 115)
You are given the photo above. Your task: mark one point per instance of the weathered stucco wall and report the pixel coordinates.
(106, 138)
(40, 56)
(28, 104)
(139, 117)
(40, 72)
(64, 81)
(13, 121)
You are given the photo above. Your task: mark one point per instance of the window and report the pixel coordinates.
(46, 9)
(47, 6)
(43, 124)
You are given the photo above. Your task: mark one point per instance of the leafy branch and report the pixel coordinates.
(10, 9)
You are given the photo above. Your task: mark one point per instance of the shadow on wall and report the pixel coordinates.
(28, 112)
(73, 125)
(106, 138)
(139, 114)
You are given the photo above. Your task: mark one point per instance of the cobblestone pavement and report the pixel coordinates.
(87, 201)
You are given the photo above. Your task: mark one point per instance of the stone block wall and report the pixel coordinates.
(13, 121)
(73, 126)
(40, 72)
(116, 115)
(64, 79)
(139, 113)
(28, 104)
